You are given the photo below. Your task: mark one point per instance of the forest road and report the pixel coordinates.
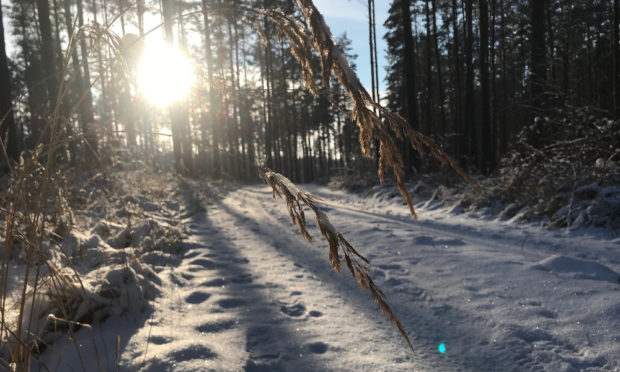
(251, 295)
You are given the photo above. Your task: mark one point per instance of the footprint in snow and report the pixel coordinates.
(318, 347)
(451, 242)
(176, 280)
(393, 282)
(390, 267)
(197, 298)
(214, 283)
(262, 343)
(254, 366)
(577, 268)
(187, 276)
(423, 240)
(295, 310)
(242, 279)
(531, 335)
(229, 303)
(547, 313)
(191, 254)
(215, 327)
(193, 352)
(159, 340)
(207, 264)
(377, 274)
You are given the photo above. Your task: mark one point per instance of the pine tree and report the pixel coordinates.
(8, 133)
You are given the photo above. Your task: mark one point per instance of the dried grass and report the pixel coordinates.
(356, 263)
(37, 215)
(304, 40)
(316, 36)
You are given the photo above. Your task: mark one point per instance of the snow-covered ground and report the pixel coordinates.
(250, 294)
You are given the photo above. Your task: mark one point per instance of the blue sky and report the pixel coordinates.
(352, 16)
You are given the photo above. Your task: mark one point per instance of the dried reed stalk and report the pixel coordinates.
(35, 204)
(295, 200)
(316, 35)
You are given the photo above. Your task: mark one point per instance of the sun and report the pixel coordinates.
(165, 74)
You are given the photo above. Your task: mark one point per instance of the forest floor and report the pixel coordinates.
(244, 291)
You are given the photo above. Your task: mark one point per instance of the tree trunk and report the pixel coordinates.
(410, 77)
(374, 51)
(176, 124)
(47, 51)
(233, 129)
(469, 127)
(503, 129)
(215, 155)
(538, 76)
(457, 115)
(616, 54)
(371, 48)
(81, 84)
(429, 105)
(493, 82)
(442, 108)
(374, 73)
(183, 116)
(486, 156)
(8, 134)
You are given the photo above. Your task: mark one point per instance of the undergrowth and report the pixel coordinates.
(76, 255)
(569, 179)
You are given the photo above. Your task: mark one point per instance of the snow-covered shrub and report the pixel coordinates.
(62, 272)
(565, 169)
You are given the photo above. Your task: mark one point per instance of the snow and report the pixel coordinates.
(249, 293)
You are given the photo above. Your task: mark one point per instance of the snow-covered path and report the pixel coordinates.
(250, 294)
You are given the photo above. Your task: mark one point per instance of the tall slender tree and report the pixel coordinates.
(8, 134)
(175, 110)
(538, 75)
(469, 132)
(486, 152)
(48, 59)
(616, 56)
(457, 109)
(437, 50)
(87, 99)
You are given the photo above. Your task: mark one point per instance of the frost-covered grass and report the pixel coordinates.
(87, 263)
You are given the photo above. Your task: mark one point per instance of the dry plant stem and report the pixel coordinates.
(36, 235)
(17, 340)
(92, 335)
(295, 201)
(32, 211)
(315, 35)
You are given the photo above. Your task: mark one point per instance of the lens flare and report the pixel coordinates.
(164, 74)
(442, 348)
